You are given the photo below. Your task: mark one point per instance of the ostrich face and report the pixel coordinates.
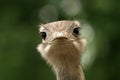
(61, 38)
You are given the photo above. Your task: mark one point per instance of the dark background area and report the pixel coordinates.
(19, 59)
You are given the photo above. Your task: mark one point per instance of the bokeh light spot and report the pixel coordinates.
(71, 7)
(89, 55)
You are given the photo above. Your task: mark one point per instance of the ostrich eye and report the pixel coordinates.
(43, 35)
(76, 31)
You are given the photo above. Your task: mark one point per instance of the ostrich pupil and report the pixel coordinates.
(76, 31)
(43, 35)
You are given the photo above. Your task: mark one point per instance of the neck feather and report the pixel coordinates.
(65, 59)
(69, 72)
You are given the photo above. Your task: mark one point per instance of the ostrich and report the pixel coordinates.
(61, 47)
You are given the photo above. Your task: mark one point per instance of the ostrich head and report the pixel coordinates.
(61, 47)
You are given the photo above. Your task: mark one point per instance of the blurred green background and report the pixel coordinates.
(19, 20)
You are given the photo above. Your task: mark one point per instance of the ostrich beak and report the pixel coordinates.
(59, 35)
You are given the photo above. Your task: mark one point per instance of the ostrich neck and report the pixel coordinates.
(69, 73)
(68, 67)
(65, 59)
